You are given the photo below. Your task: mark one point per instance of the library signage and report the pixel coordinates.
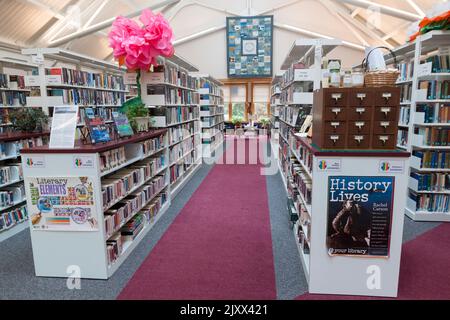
(359, 215)
(61, 204)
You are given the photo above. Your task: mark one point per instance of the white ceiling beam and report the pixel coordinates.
(327, 5)
(199, 34)
(95, 14)
(394, 12)
(346, 14)
(415, 6)
(356, 12)
(317, 35)
(39, 5)
(105, 24)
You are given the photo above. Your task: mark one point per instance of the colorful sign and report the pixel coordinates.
(359, 215)
(391, 166)
(62, 204)
(326, 165)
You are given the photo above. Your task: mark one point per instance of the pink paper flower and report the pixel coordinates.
(158, 32)
(137, 47)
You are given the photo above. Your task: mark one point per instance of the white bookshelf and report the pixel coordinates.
(275, 105)
(48, 84)
(185, 145)
(212, 114)
(54, 251)
(416, 53)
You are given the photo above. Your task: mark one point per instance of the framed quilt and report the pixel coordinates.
(250, 47)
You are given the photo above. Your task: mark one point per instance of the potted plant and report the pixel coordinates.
(264, 122)
(29, 119)
(237, 122)
(138, 116)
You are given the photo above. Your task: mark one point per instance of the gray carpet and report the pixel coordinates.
(17, 280)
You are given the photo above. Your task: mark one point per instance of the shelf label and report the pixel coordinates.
(34, 162)
(32, 81)
(424, 69)
(130, 78)
(38, 58)
(83, 162)
(329, 165)
(53, 80)
(391, 166)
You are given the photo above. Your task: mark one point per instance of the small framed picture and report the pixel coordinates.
(249, 47)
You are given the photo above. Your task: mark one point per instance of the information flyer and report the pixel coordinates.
(62, 204)
(64, 126)
(359, 215)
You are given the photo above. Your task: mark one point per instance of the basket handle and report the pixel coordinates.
(365, 62)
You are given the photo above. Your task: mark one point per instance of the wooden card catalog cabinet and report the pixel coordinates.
(356, 118)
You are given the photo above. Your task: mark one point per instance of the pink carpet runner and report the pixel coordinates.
(424, 269)
(219, 246)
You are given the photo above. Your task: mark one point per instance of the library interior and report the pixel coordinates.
(200, 149)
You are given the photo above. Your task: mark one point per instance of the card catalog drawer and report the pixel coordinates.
(387, 113)
(359, 127)
(334, 141)
(360, 113)
(358, 141)
(335, 98)
(387, 97)
(386, 141)
(385, 127)
(361, 98)
(335, 113)
(336, 127)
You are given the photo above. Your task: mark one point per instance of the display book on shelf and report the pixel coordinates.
(425, 123)
(171, 95)
(92, 205)
(212, 115)
(76, 79)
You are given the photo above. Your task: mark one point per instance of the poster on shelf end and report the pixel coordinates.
(360, 211)
(61, 204)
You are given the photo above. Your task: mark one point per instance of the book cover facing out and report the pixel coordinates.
(359, 215)
(122, 124)
(96, 126)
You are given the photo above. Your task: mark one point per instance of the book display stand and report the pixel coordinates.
(90, 206)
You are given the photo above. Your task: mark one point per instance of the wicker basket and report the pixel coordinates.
(380, 78)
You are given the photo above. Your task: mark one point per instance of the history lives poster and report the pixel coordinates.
(359, 215)
(62, 204)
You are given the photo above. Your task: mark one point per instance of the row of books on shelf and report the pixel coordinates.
(431, 202)
(10, 218)
(435, 114)
(13, 99)
(213, 88)
(434, 136)
(119, 184)
(87, 97)
(104, 113)
(10, 173)
(12, 148)
(287, 95)
(180, 114)
(184, 131)
(301, 180)
(405, 92)
(439, 63)
(211, 110)
(405, 113)
(173, 96)
(436, 89)
(174, 75)
(181, 149)
(302, 152)
(402, 138)
(12, 81)
(295, 116)
(10, 195)
(208, 99)
(179, 170)
(87, 79)
(118, 215)
(431, 181)
(433, 159)
(406, 70)
(129, 232)
(112, 158)
(212, 121)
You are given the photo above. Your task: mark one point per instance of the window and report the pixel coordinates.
(261, 101)
(238, 97)
(227, 102)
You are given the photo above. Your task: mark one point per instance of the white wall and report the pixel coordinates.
(209, 52)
